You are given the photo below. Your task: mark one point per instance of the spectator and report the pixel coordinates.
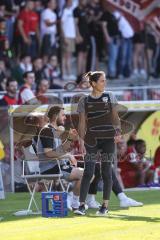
(4, 43)
(28, 30)
(146, 173)
(10, 97)
(42, 89)
(139, 59)
(38, 7)
(156, 21)
(127, 156)
(152, 40)
(38, 69)
(49, 28)
(3, 75)
(135, 169)
(112, 37)
(24, 65)
(82, 37)
(68, 40)
(26, 95)
(127, 33)
(52, 72)
(94, 11)
(157, 157)
(2, 9)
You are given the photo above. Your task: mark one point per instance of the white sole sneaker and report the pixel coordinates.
(78, 212)
(102, 214)
(130, 203)
(93, 204)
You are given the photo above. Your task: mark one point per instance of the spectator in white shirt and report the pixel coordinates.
(126, 49)
(49, 28)
(68, 31)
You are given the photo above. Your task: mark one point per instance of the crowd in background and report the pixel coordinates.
(47, 37)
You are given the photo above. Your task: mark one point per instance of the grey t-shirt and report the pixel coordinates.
(81, 103)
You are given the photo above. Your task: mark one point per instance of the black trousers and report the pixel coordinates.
(116, 188)
(106, 147)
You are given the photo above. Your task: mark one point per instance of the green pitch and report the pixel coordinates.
(141, 223)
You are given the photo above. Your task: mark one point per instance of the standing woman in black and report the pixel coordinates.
(98, 125)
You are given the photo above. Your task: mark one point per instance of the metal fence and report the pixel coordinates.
(136, 93)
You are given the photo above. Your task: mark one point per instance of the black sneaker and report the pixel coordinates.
(80, 210)
(103, 211)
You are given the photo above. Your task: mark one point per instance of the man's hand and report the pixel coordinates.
(79, 39)
(71, 158)
(27, 40)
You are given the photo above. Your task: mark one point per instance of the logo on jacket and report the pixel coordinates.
(105, 99)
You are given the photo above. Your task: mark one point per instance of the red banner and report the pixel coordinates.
(136, 11)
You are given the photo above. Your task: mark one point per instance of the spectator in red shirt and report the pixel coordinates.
(10, 97)
(144, 165)
(135, 169)
(157, 157)
(28, 30)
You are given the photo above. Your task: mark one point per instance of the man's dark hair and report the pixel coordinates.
(54, 111)
(2, 20)
(26, 74)
(131, 142)
(139, 142)
(9, 80)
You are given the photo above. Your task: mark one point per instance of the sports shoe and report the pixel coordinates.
(75, 205)
(103, 211)
(81, 210)
(93, 204)
(129, 202)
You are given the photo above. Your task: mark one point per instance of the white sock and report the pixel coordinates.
(70, 194)
(75, 198)
(121, 196)
(91, 197)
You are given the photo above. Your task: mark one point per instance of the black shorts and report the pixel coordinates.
(47, 49)
(139, 37)
(150, 40)
(84, 46)
(54, 170)
(66, 171)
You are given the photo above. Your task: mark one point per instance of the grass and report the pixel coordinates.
(141, 223)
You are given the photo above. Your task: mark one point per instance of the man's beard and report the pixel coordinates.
(59, 123)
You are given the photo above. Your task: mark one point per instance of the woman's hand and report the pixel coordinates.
(82, 149)
(73, 134)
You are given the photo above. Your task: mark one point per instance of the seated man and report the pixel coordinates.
(50, 145)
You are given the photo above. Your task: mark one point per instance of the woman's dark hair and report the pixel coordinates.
(93, 76)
